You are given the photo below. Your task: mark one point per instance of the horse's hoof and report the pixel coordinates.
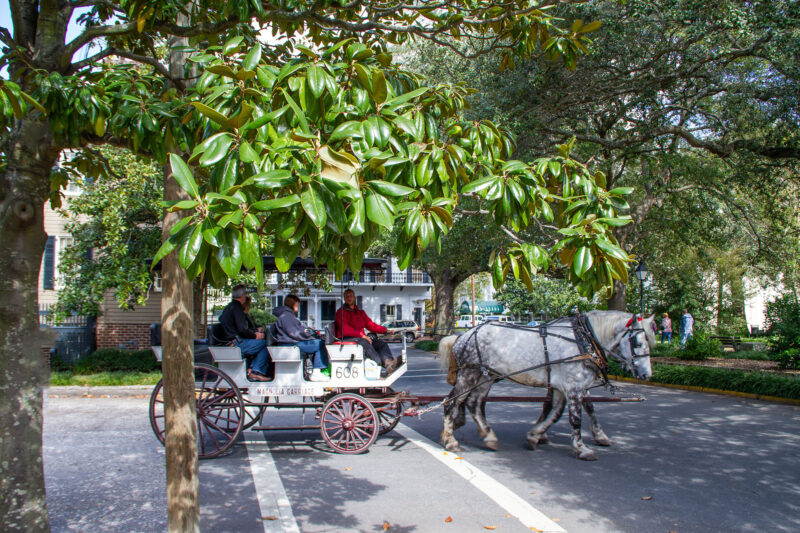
(532, 442)
(602, 441)
(587, 455)
(544, 439)
(453, 447)
(492, 444)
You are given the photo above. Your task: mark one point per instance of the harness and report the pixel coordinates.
(589, 348)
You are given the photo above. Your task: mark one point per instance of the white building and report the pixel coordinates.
(383, 290)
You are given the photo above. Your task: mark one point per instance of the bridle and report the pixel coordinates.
(632, 332)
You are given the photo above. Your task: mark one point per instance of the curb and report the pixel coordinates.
(85, 391)
(695, 388)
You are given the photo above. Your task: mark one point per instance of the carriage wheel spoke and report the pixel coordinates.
(211, 434)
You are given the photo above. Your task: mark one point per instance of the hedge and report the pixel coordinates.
(722, 378)
(428, 346)
(110, 360)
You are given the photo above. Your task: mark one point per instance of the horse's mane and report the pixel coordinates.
(605, 323)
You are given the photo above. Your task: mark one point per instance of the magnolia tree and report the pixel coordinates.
(318, 151)
(323, 150)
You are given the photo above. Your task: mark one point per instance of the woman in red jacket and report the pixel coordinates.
(350, 322)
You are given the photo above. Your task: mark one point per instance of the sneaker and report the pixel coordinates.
(256, 376)
(317, 375)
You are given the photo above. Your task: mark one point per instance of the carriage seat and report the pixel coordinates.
(330, 335)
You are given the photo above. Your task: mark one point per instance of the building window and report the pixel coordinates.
(157, 282)
(391, 312)
(327, 310)
(62, 242)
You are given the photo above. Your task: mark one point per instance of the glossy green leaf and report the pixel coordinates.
(301, 116)
(217, 151)
(316, 80)
(246, 153)
(313, 205)
(390, 189)
(346, 130)
(213, 114)
(251, 251)
(277, 203)
(273, 178)
(183, 175)
(191, 247)
(252, 58)
(582, 261)
(358, 220)
(379, 209)
(229, 254)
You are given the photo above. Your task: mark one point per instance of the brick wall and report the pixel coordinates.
(115, 335)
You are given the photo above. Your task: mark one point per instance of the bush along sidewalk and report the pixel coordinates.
(760, 383)
(428, 346)
(108, 367)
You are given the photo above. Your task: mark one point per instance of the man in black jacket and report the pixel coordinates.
(236, 328)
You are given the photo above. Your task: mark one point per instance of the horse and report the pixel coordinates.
(555, 355)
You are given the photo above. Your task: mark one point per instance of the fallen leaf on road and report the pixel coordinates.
(348, 468)
(457, 458)
(269, 517)
(507, 515)
(556, 519)
(386, 526)
(536, 530)
(448, 519)
(490, 527)
(672, 531)
(647, 498)
(533, 493)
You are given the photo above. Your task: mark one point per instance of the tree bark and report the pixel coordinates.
(31, 153)
(617, 300)
(180, 415)
(444, 288)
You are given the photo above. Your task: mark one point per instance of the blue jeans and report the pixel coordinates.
(684, 337)
(666, 336)
(259, 348)
(315, 347)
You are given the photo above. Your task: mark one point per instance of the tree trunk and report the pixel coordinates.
(178, 367)
(617, 300)
(180, 416)
(444, 288)
(198, 307)
(31, 153)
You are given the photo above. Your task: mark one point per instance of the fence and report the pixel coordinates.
(75, 334)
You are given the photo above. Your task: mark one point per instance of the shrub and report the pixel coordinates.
(57, 364)
(789, 359)
(700, 346)
(428, 346)
(115, 360)
(724, 379)
(665, 350)
(783, 319)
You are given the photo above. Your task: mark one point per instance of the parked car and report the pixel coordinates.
(498, 318)
(399, 329)
(465, 321)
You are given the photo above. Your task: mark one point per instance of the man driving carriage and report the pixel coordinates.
(350, 322)
(235, 328)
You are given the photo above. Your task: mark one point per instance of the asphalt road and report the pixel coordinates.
(681, 461)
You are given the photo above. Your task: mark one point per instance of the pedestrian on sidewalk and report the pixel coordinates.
(666, 329)
(687, 328)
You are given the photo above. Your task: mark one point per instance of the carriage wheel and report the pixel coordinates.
(219, 411)
(389, 416)
(349, 423)
(252, 414)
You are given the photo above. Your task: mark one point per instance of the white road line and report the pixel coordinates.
(505, 498)
(272, 499)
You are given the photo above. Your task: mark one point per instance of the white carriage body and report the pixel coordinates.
(349, 370)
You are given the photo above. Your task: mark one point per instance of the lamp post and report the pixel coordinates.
(641, 275)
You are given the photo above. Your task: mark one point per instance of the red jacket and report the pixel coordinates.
(355, 320)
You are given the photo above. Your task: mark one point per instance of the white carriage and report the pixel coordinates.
(355, 406)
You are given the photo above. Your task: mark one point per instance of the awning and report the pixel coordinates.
(483, 307)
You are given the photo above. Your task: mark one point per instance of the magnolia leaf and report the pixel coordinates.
(183, 175)
(313, 205)
(339, 166)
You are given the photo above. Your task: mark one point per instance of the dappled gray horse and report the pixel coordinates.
(559, 352)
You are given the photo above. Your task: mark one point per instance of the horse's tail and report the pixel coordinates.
(447, 360)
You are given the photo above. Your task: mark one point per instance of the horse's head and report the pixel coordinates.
(631, 347)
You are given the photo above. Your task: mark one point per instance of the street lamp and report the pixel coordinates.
(641, 275)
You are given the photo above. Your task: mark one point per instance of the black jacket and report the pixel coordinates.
(288, 329)
(234, 322)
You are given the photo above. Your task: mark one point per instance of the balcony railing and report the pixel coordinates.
(413, 277)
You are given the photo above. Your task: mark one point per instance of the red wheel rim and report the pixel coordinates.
(349, 423)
